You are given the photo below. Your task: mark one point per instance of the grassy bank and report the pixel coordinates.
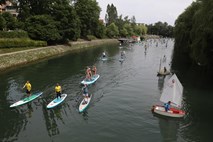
(13, 59)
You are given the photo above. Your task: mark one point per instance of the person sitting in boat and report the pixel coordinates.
(94, 70)
(85, 93)
(28, 87)
(164, 69)
(88, 73)
(167, 106)
(58, 91)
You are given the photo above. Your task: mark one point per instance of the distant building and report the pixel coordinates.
(9, 7)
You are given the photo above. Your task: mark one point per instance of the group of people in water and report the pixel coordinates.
(58, 88)
(90, 72)
(28, 88)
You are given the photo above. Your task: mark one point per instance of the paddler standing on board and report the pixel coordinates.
(94, 70)
(104, 55)
(85, 93)
(58, 91)
(88, 73)
(28, 87)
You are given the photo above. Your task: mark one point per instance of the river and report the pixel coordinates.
(120, 110)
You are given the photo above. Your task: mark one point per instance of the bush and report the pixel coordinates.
(21, 42)
(13, 34)
(91, 37)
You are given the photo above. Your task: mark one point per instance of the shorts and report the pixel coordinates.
(28, 92)
(86, 95)
(58, 94)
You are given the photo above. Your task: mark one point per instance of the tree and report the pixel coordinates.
(88, 12)
(111, 15)
(112, 30)
(2, 22)
(29, 8)
(10, 21)
(42, 27)
(183, 26)
(160, 28)
(101, 30)
(68, 22)
(129, 29)
(123, 32)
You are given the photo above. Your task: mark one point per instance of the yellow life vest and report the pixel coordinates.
(28, 86)
(58, 89)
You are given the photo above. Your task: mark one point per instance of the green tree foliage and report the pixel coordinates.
(88, 12)
(68, 22)
(129, 29)
(62, 12)
(111, 15)
(29, 8)
(140, 29)
(123, 32)
(160, 28)
(126, 27)
(112, 30)
(2, 22)
(10, 21)
(24, 10)
(100, 32)
(42, 27)
(194, 33)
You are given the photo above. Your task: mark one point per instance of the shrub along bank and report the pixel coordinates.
(20, 42)
(11, 39)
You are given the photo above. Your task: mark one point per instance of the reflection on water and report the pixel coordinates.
(169, 128)
(161, 83)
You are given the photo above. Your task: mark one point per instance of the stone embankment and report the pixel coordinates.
(9, 60)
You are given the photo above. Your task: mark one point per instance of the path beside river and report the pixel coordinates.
(13, 59)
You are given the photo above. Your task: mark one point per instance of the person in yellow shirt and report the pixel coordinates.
(28, 87)
(58, 90)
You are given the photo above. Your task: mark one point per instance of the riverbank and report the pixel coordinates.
(9, 60)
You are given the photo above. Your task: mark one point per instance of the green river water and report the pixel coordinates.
(120, 110)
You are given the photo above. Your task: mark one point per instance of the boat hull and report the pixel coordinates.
(163, 73)
(173, 112)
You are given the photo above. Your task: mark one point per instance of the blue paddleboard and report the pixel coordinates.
(57, 101)
(92, 80)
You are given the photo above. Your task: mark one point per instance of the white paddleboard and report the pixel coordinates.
(93, 79)
(83, 106)
(27, 99)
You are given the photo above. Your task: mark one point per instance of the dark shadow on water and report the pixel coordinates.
(168, 127)
(161, 83)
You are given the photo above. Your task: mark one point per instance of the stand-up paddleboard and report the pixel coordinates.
(27, 99)
(121, 59)
(104, 58)
(83, 106)
(57, 101)
(91, 81)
